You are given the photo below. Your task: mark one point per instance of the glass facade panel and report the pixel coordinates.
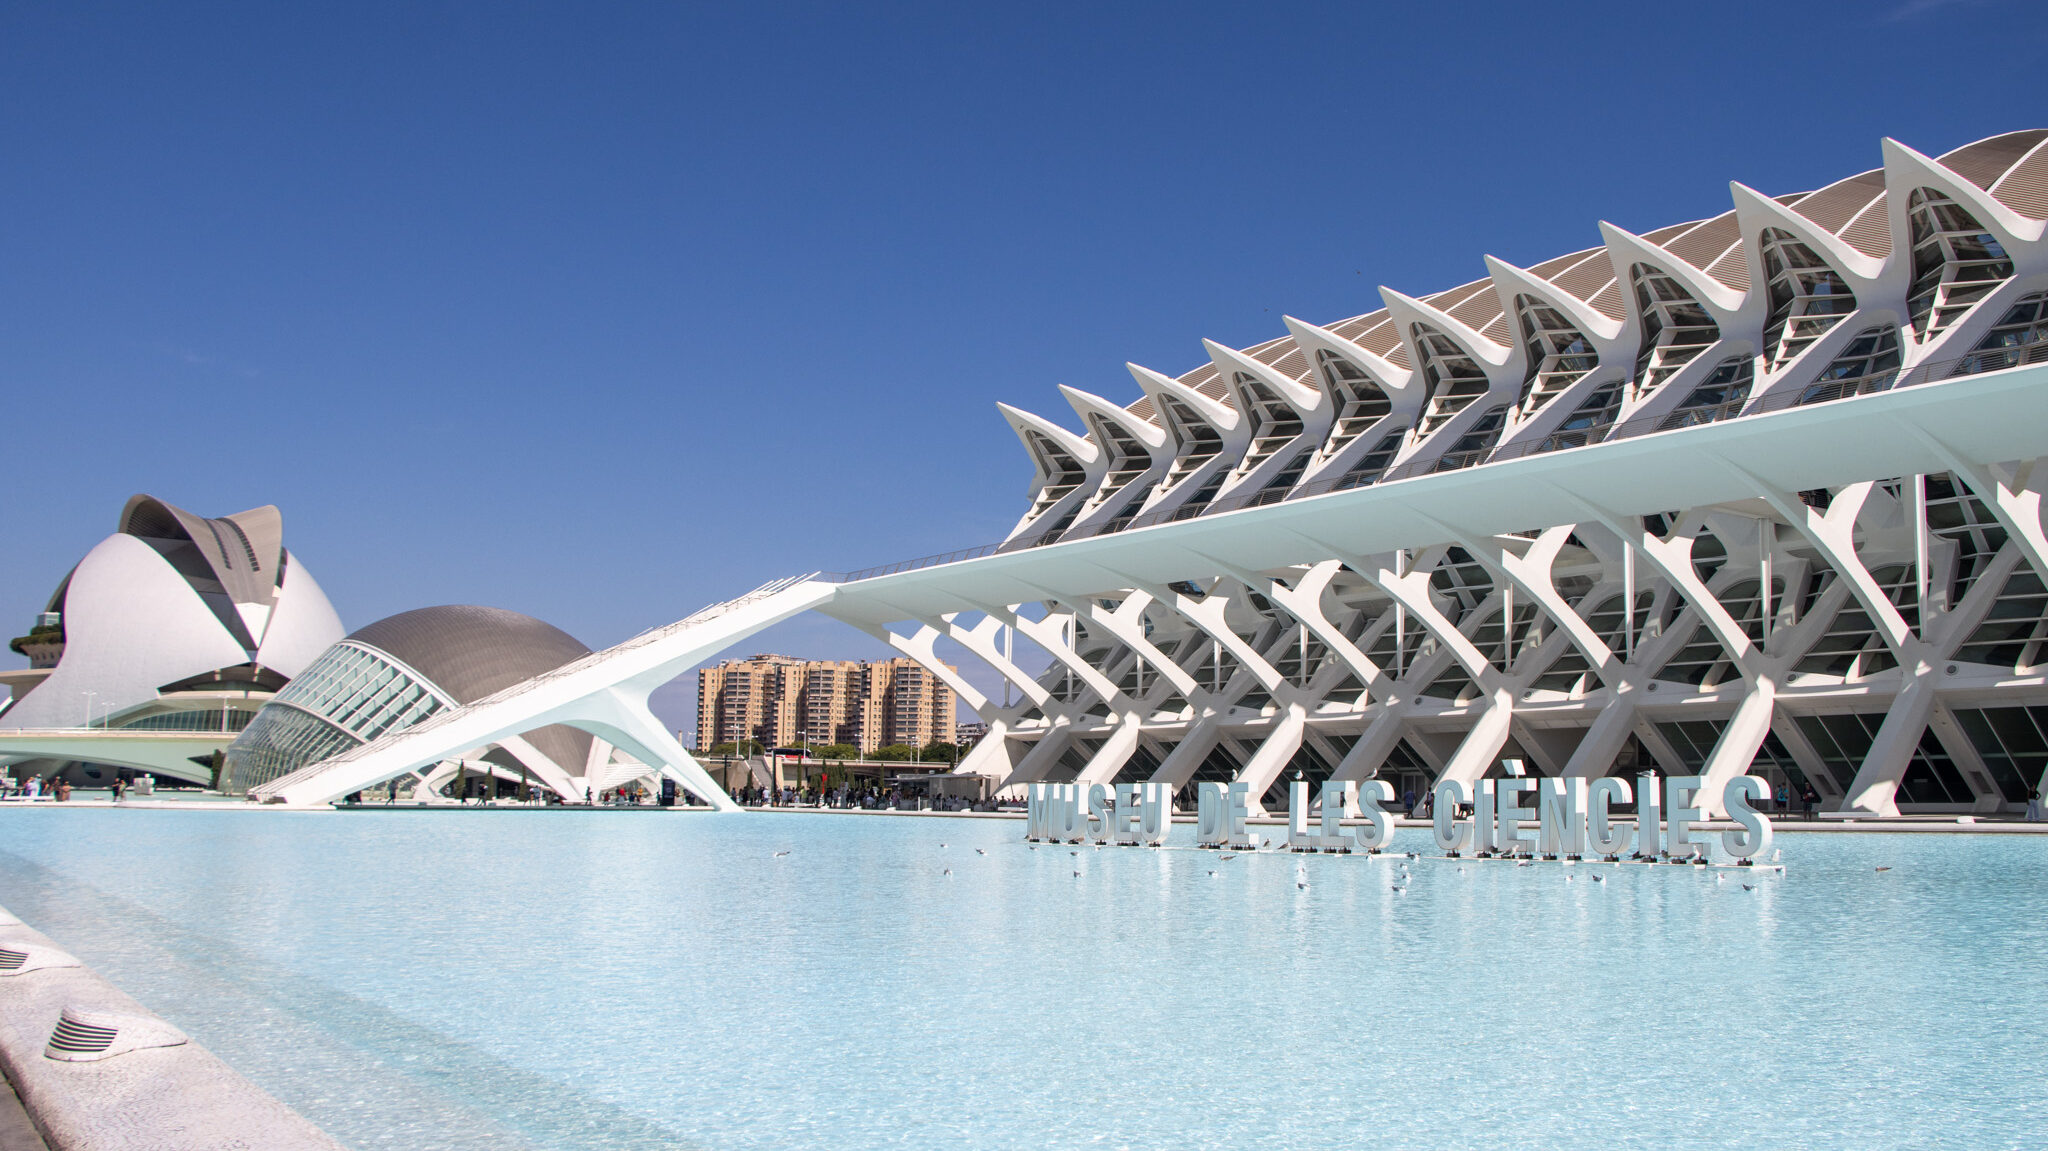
(1676, 328)
(1956, 263)
(1869, 364)
(1455, 379)
(1843, 741)
(1360, 402)
(279, 742)
(1559, 354)
(2010, 636)
(1807, 297)
(1720, 397)
(350, 695)
(2013, 742)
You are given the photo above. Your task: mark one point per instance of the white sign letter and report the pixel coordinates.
(1649, 838)
(1379, 826)
(1508, 809)
(1603, 837)
(1681, 811)
(1561, 817)
(1755, 837)
(1443, 814)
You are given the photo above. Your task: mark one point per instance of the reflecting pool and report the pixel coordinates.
(641, 980)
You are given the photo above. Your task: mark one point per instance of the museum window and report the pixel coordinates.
(1454, 378)
(1472, 447)
(1589, 424)
(1721, 396)
(1063, 473)
(1360, 402)
(1559, 354)
(1199, 442)
(1676, 327)
(1274, 422)
(1807, 297)
(1956, 263)
(1870, 363)
(1373, 464)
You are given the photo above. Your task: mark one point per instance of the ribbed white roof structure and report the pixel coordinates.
(1758, 494)
(168, 597)
(1691, 322)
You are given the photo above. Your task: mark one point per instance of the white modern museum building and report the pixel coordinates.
(162, 642)
(1749, 494)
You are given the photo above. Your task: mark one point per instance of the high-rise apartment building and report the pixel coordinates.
(778, 700)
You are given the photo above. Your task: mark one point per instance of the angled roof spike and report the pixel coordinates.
(1627, 249)
(1408, 311)
(1510, 281)
(1090, 406)
(1906, 169)
(1305, 400)
(1221, 414)
(1755, 211)
(1081, 449)
(1392, 379)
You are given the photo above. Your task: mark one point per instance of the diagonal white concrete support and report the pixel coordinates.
(1744, 735)
(604, 693)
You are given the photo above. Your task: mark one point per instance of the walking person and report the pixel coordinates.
(2034, 805)
(1809, 798)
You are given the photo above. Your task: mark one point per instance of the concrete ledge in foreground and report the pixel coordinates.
(159, 1098)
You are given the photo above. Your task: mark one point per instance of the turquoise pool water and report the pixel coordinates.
(599, 980)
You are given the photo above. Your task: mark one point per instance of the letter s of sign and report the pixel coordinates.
(1101, 818)
(1379, 826)
(1450, 834)
(1754, 838)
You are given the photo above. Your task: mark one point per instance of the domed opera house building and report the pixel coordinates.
(1753, 494)
(398, 671)
(161, 643)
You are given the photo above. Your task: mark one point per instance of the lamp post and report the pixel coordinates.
(88, 706)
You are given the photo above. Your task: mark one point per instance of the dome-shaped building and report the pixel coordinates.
(176, 622)
(398, 671)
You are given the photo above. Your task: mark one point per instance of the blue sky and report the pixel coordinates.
(602, 312)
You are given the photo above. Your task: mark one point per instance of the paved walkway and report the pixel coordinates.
(16, 1132)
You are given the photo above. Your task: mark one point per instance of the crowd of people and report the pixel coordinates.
(35, 787)
(857, 798)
